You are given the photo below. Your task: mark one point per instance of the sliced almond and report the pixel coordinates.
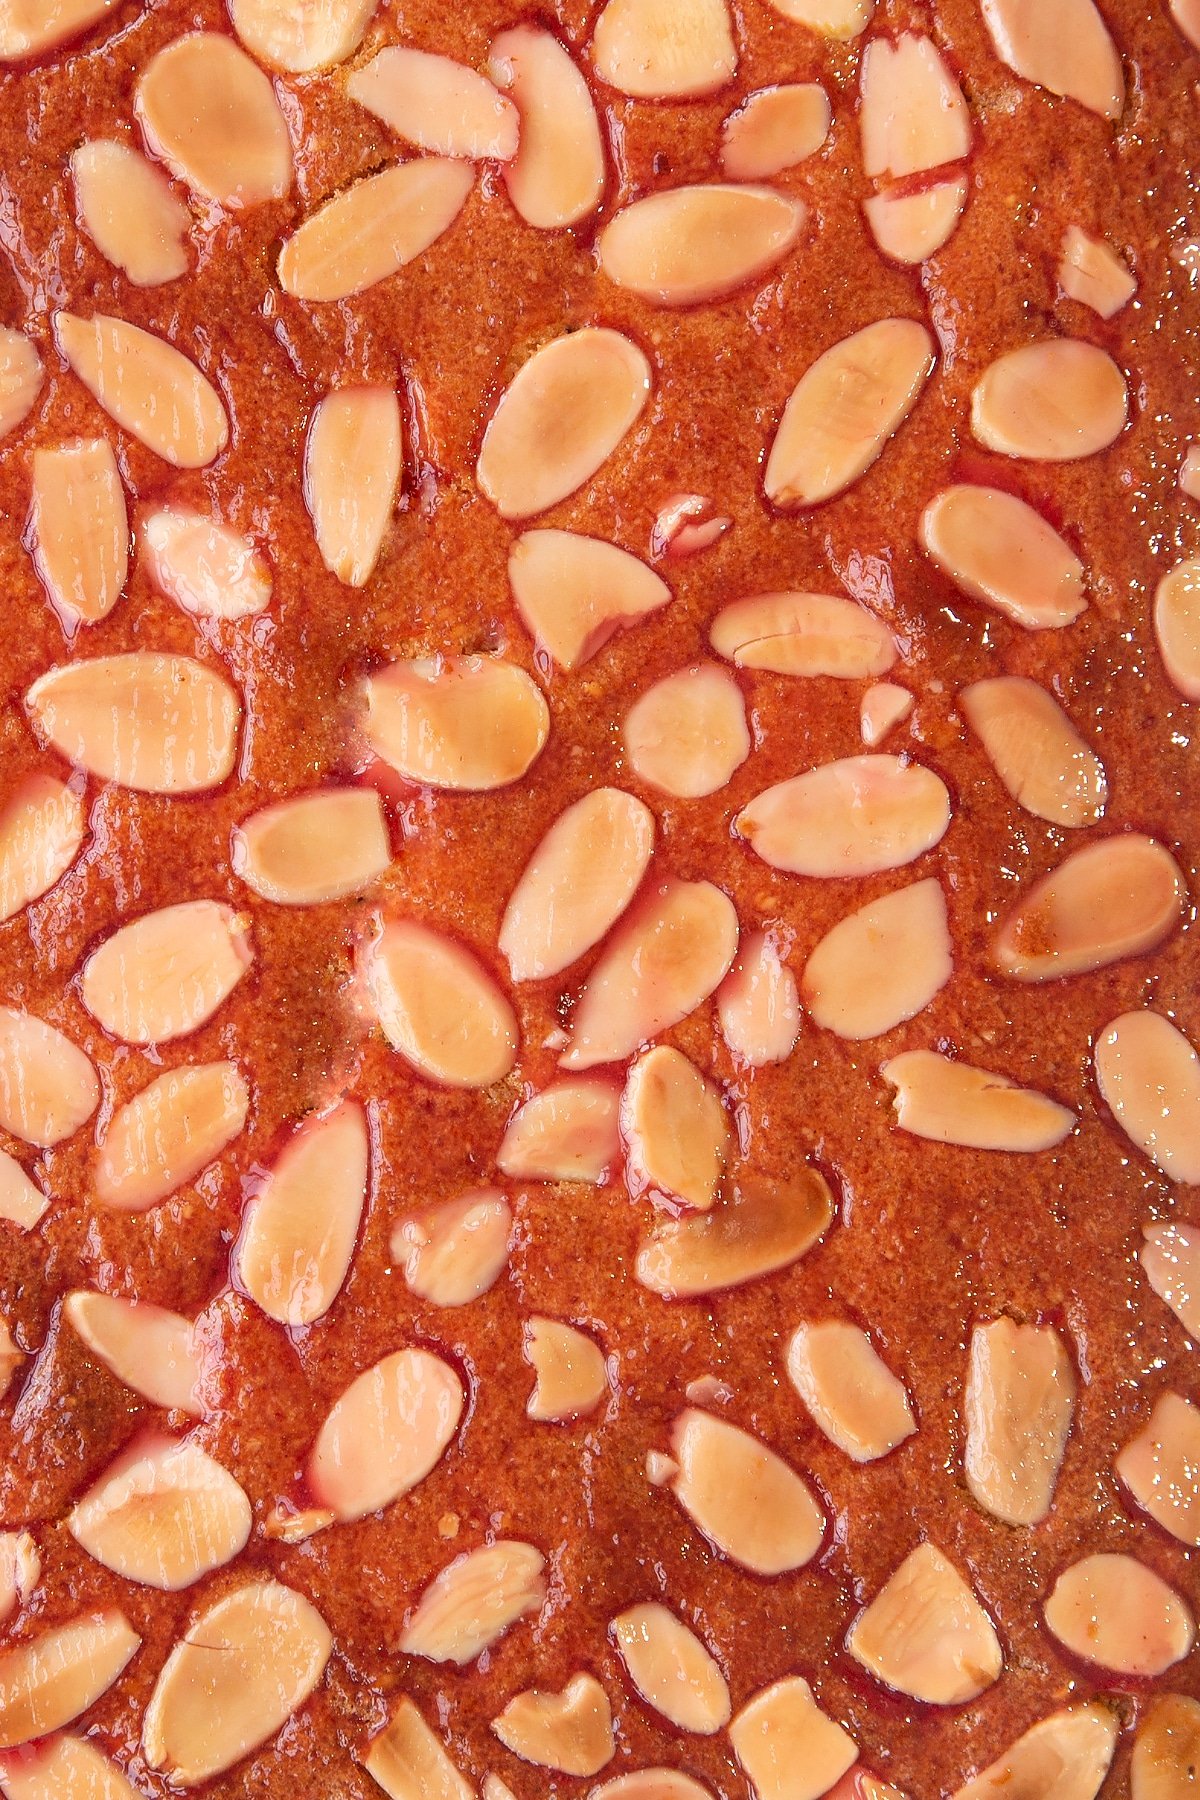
(41, 831)
(203, 565)
(1064, 1757)
(1189, 468)
(385, 1433)
(1056, 400)
(11, 1357)
(884, 706)
(48, 1088)
(882, 964)
(574, 593)
(998, 550)
(1149, 1075)
(860, 1784)
(409, 1761)
(1177, 626)
(20, 1571)
(926, 1635)
(237, 1675)
(1062, 45)
(453, 1253)
(1036, 751)
(557, 176)
(1090, 271)
(169, 1133)
(571, 1375)
(910, 228)
(1019, 1398)
(151, 1350)
(314, 847)
(165, 1515)
(474, 1601)
(211, 115)
(22, 1202)
(164, 724)
(671, 1669)
(299, 1232)
(662, 962)
(286, 1524)
(31, 27)
(567, 1133)
(128, 209)
(954, 1103)
(687, 735)
(80, 529)
(760, 1228)
(758, 1004)
(751, 1505)
(845, 408)
(787, 1746)
(803, 634)
(859, 816)
(439, 1007)
(839, 19)
(467, 722)
(437, 104)
(64, 1768)
(688, 245)
(1186, 14)
(147, 386)
(560, 418)
(849, 1389)
(299, 36)
(676, 1134)
(571, 1731)
(686, 524)
(353, 460)
(47, 1681)
(1116, 898)
(371, 229)
(576, 885)
(1161, 1467)
(168, 972)
(912, 115)
(651, 1784)
(665, 49)
(1117, 1613)
(1171, 1258)
(20, 370)
(774, 129)
(1166, 1750)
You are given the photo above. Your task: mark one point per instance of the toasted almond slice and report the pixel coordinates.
(299, 36)
(127, 207)
(849, 1389)
(166, 1135)
(761, 1228)
(1189, 468)
(665, 49)
(1062, 45)
(774, 129)
(758, 1004)
(151, 1350)
(803, 634)
(20, 368)
(787, 1746)
(1001, 552)
(651, 1784)
(299, 1232)
(859, 816)
(662, 962)
(1019, 1398)
(1090, 271)
(47, 1681)
(1056, 400)
(20, 1571)
(48, 1088)
(882, 964)
(557, 176)
(240, 1671)
(675, 1130)
(1036, 751)
(1170, 1257)
(11, 1357)
(211, 115)
(31, 27)
(204, 566)
(569, 1132)
(80, 529)
(686, 524)
(1177, 626)
(884, 706)
(751, 1505)
(22, 1202)
(385, 1433)
(313, 847)
(437, 104)
(353, 462)
(578, 882)
(560, 418)
(474, 1601)
(1117, 1613)
(41, 830)
(372, 228)
(686, 245)
(1166, 1750)
(1161, 1467)
(439, 1007)
(954, 1103)
(1064, 1757)
(910, 228)
(165, 1514)
(146, 385)
(860, 1784)
(168, 972)
(912, 115)
(287, 1524)
(571, 1731)
(410, 1762)
(1111, 900)
(1186, 14)
(574, 593)
(468, 722)
(671, 1668)
(455, 1252)
(840, 19)
(926, 1635)
(63, 1768)
(571, 1375)
(687, 735)
(1149, 1075)
(164, 724)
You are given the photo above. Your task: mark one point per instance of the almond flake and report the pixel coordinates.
(453, 1253)
(299, 36)
(299, 1232)
(751, 1505)
(165, 1514)
(686, 524)
(859, 816)
(372, 228)
(20, 1571)
(557, 176)
(64, 1768)
(22, 1202)
(1019, 1398)
(688, 734)
(211, 115)
(803, 634)
(127, 207)
(671, 1669)
(884, 706)
(467, 722)
(168, 1134)
(663, 961)
(1056, 400)
(882, 964)
(848, 1388)
(571, 1732)
(761, 1228)
(651, 1784)
(285, 1524)
(1189, 468)
(569, 1132)
(1170, 1257)
(1166, 1750)
(151, 1350)
(665, 49)
(1036, 751)
(839, 19)
(1116, 898)
(385, 1433)
(48, 1088)
(353, 462)
(758, 1004)
(41, 831)
(560, 418)
(437, 104)
(926, 1635)
(912, 116)
(409, 1761)
(859, 1784)
(1115, 1612)
(31, 27)
(688, 245)
(20, 366)
(998, 550)
(774, 129)
(80, 529)
(47, 1681)
(1186, 14)
(1161, 1467)
(676, 1133)
(1090, 271)
(1064, 1757)
(314, 847)
(1149, 1075)
(954, 1103)
(910, 228)
(163, 724)
(787, 1746)
(845, 408)
(574, 593)
(11, 1357)
(661, 1470)
(203, 565)
(146, 385)
(168, 972)
(439, 1007)
(474, 1601)
(238, 1674)
(1177, 626)
(571, 1375)
(576, 885)
(1062, 45)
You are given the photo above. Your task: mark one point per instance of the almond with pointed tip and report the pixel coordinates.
(167, 973)
(1149, 1075)
(838, 19)
(299, 36)
(676, 1134)
(911, 227)
(474, 1601)
(570, 1373)
(803, 634)
(671, 1668)
(1062, 45)
(20, 373)
(688, 735)
(912, 114)
(761, 1228)
(926, 1635)
(884, 706)
(353, 463)
(312, 848)
(685, 525)
(998, 550)
(774, 129)
(31, 27)
(127, 207)
(665, 49)
(1055, 400)
(165, 1514)
(856, 817)
(882, 964)
(952, 1102)
(787, 1746)
(557, 176)
(569, 1132)
(203, 565)
(48, 1680)
(299, 1231)
(48, 1088)
(1090, 271)
(1064, 1757)
(20, 1571)
(385, 1433)
(467, 722)
(1036, 751)
(64, 1768)
(453, 1253)
(151, 1350)
(439, 1007)
(848, 1388)
(437, 104)
(1115, 1612)
(1170, 1257)
(22, 1202)
(80, 529)
(1166, 1750)
(1160, 1466)
(574, 593)
(690, 245)
(860, 1784)
(409, 1761)
(211, 115)
(758, 1004)
(1116, 898)
(41, 831)
(169, 1133)
(1177, 626)
(1018, 1404)
(371, 229)
(151, 389)
(652, 1784)
(162, 724)
(751, 1505)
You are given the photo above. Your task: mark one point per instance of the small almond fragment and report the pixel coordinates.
(838, 19)
(774, 129)
(468, 722)
(688, 245)
(912, 116)
(353, 461)
(1064, 1757)
(64, 1768)
(203, 565)
(453, 1253)
(22, 1202)
(1056, 400)
(860, 1784)
(1062, 45)
(47, 1681)
(569, 1132)
(127, 207)
(80, 529)
(859, 816)
(750, 1504)
(849, 1390)
(409, 1761)
(168, 972)
(1189, 468)
(671, 1669)
(151, 1350)
(665, 49)
(437, 104)
(1161, 1467)
(1170, 1257)
(574, 592)
(11, 1357)
(803, 634)
(371, 229)
(557, 176)
(910, 228)
(165, 1514)
(1090, 271)
(169, 1133)
(31, 27)
(1177, 626)
(845, 408)
(286, 1524)
(560, 419)
(675, 1130)
(313, 847)
(926, 1635)
(882, 964)
(439, 1007)
(1116, 898)
(687, 735)
(299, 36)
(685, 525)
(571, 1731)
(1019, 1398)
(20, 369)
(571, 1375)
(1166, 1750)
(884, 706)
(151, 389)
(952, 1102)
(41, 831)
(385, 1433)
(651, 1784)
(998, 550)
(1036, 751)
(20, 1571)
(237, 1675)
(758, 1004)
(474, 1601)
(1117, 1613)
(48, 1088)
(760, 1228)
(787, 1746)
(299, 1232)
(211, 115)
(1149, 1075)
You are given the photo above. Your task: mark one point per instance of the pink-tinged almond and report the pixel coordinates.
(1036, 751)
(926, 1635)
(690, 245)
(1090, 271)
(453, 1253)
(1056, 400)
(1161, 1467)
(910, 228)
(371, 229)
(952, 1102)
(998, 550)
(437, 104)
(315, 847)
(1166, 1750)
(22, 1202)
(240, 1671)
(151, 389)
(574, 593)
(848, 1388)
(1062, 45)
(569, 1132)
(385, 1434)
(787, 1746)
(856, 817)
(128, 209)
(688, 734)
(576, 885)
(557, 176)
(1177, 626)
(1064, 1757)
(299, 36)
(751, 1505)
(1018, 1404)
(560, 419)
(467, 722)
(676, 1134)
(1170, 1257)
(651, 1784)
(474, 1601)
(758, 1004)
(882, 964)
(353, 463)
(299, 1232)
(1117, 898)
(1115, 1612)
(671, 1668)
(803, 634)
(48, 1088)
(168, 1134)
(685, 525)
(665, 49)
(64, 1768)
(80, 529)
(47, 1681)
(1149, 1075)
(774, 129)
(168, 972)
(203, 565)
(165, 1515)
(409, 1761)
(20, 1572)
(31, 27)
(151, 1350)
(20, 372)
(41, 831)
(760, 1228)
(439, 1007)
(884, 706)
(211, 115)
(912, 115)
(570, 1732)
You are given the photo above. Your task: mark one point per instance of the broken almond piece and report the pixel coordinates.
(1177, 626)
(803, 634)
(474, 1601)
(671, 1669)
(453, 1253)
(688, 245)
(569, 1132)
(750, 1504)
(574, 593)
(165, 1514)
(1166, 1750)
(48, 1088)
(168, 972)
(576, 885)
(299, 36)
(926, 1635)
(912, 114)
(1170, 1257)
(127, 208)
(998, 550)
(211, 115)
(882, 964)
(468, 722)
(560, 419)
(1189, 468)
(410, 1762)
(1116, 898)
(1090, 271)
(371, 229)
(860, 1784)
(1036, 751)
(758, 1004)
(11, 1357)
(774, 129)
(650, 1784)
(80, 529)
(47, 1681)
(240, 1671)
(687, 734)
(1161, 1467)
(1117, 1613)
(952, 1102)
(557, 176)
(313, 847)
(20, 372)
(685, 525)
(665, 49)
(168, 1134)
(571, 1375)
(385, 1433)
(844, 410)
(439, 1007)
(1149, 1076)
(848, 1388)
(299, 1232)
(20, 1571)
(884, 706)
(22, 1202)
(1056, 400)
(286, 1524)
(1064, 1757)
(787, 1746)
(151, 1350)
(437, 104)
(676, 1133)
(31, 27)
(1062, 45)
(151, 389)
(910, 228)
(571, 1732)
(63, 1768)
(838, 19)
(41, 831)
(761, 1228)
(353, 461)
(859, 816)
(1019, 1398)
(203, 565)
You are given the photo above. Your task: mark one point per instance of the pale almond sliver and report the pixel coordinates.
(1092, 272)
(1177, 626)
(409, 1761)
(370, 230)
(665, 49)
(1018, 1404)
(774, 129)
(299, 1231)
(688, 245)
(148, 386)
(1118, 897)
(803, 634)
(1166, 1750)
(168, 1133)
(1063, 1757)
(313, 847)
(1113, 1611)
(568, 1132)
(1149, 1075)
(1063, 45)
(299, 36)
(204, 565)
(64, 1768)
(48, 1087)
(41, 831)
(454, 1252)
(471, 723)
(788, 1747)
(671, 1668)
(569, 1731)
(22, 1202)
(926, 1635)
(855, 817)
(439, 1007)
(688, 734)
(760, 1228)
(882, 964)
(911, 227)
(1055, 400)
(353, 460)
(474, 1601)
(127, 207)
(837, 19)
(20, 378)
(759, 1003)
(385, 1433)
(952, 1102)
(165, 974)
(80, 529)
(557, 176)
(912, 116)
(1036, 751)
(153, 1351)
(48, 1680)
(164, 1514)
(998, 550)
(439, 105)
(751, 1505)
(31, 27)
(574, 592)
(211, 115)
